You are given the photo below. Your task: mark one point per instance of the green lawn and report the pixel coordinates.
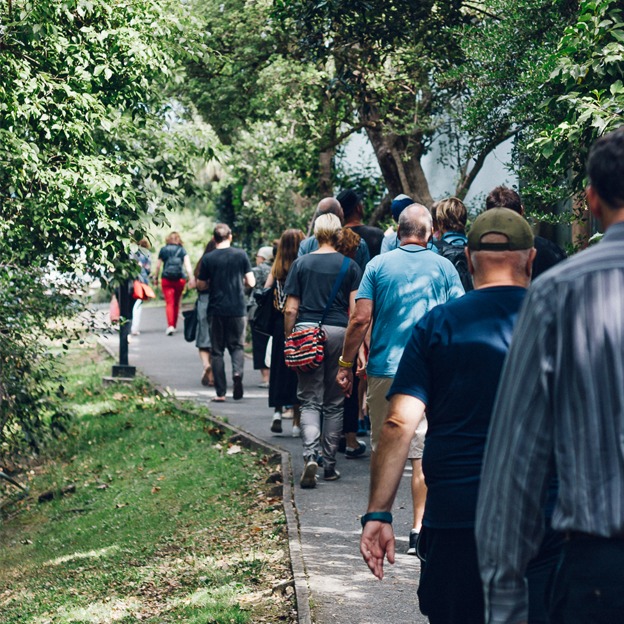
(168, 522)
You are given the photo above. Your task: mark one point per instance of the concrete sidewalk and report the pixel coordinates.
(340, 585)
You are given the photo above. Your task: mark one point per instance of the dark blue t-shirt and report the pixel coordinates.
(452, 363)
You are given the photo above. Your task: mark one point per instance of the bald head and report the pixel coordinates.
(415, 225)
(330, 205)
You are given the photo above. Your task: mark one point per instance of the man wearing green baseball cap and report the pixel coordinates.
(450, 368)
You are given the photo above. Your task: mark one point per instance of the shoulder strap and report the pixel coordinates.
(339, 279)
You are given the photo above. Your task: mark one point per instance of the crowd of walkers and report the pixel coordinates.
(417, 329)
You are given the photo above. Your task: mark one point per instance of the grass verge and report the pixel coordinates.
(162, 520)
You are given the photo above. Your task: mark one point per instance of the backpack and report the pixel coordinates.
(173, 266)
(455, 253)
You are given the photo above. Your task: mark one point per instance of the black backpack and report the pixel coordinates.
(173, 269)
(455, 253)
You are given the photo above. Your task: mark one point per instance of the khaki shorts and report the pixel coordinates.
(377, 406)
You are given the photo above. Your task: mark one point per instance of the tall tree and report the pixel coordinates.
(89, 149)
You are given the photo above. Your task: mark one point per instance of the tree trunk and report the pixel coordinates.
(399, 160)
(326, 178)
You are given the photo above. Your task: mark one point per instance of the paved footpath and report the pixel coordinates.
(342, 590)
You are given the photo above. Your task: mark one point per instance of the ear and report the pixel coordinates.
(593, 201)
(531, 259)
(469, 259)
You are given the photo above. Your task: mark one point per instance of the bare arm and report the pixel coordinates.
(387, 465)
(290, 314)
(270, 281)
(249, 279)
(356, 332)
(189, 271)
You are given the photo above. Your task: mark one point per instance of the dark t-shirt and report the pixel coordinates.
(372, 235)
(311, 279)
(225, 269)
(452, 363)
(548, 254)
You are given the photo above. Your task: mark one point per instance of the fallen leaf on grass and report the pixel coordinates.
(234, 449)
(155, 490)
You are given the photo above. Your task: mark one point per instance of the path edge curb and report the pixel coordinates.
(302, 589)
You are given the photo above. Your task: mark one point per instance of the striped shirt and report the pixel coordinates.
(561, 397)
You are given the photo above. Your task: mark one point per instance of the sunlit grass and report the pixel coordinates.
(164, 525)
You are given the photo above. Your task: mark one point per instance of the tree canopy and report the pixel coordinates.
(90, 149)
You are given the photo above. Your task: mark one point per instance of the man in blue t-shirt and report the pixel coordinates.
(451, 367)
(397, 289)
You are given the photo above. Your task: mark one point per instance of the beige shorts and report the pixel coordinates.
(377, 406)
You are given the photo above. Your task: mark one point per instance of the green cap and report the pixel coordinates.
(500, 221)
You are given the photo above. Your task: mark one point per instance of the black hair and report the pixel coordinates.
(605, 168)
(349, 201)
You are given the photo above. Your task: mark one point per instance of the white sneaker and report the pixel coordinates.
(170, 330)
(308, 476)
(276, 424)
(296, 431)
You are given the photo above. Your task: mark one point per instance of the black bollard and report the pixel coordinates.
(125, 309)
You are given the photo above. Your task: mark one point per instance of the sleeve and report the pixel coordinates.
(245, 262)
(509, 523)
(455, 288)
(162, 255)
(291, 287)
(204, 269)
(367, 284)
(413, 376)
(356, 276)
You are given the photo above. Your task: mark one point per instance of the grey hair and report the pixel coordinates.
(416, 222)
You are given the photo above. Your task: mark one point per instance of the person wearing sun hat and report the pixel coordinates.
(450, 368)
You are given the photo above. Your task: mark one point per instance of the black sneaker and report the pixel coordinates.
(413, 540)
(355, 453)
(331, 474)
(238, 388)
(308, 476)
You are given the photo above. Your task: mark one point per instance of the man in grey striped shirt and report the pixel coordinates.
(560, 406)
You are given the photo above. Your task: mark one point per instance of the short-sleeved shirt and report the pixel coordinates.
(452, 363)
(224, 270)
(311, 278)
(362, 254)
(404, 284)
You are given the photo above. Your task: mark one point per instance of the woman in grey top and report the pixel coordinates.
(308, 286)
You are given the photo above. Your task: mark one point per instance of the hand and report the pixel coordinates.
(362, 362)
(344, 379)
(377, 541)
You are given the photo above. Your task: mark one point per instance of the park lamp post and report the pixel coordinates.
(123, 369)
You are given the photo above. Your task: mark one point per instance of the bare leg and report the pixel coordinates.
(207, 378)
(419, 493)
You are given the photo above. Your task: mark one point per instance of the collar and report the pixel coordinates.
(615, 232)
(412, 247)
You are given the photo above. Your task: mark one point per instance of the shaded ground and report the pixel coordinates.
(342, 588)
